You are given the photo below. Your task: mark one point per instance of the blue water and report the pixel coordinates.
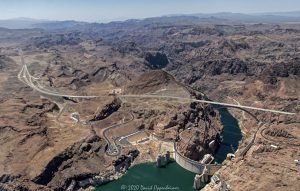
(145, 175)
(231, 136)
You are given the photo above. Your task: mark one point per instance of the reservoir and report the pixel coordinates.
(147, 175)
(143, 176)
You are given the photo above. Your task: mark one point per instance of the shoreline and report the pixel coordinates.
(148, 174)
(144, 159)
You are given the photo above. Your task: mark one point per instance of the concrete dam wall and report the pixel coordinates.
(194, 166)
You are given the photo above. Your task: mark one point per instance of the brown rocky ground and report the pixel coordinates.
(44, 149)
(248, 64)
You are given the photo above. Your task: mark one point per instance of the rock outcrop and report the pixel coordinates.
(107, 110)
(68, 161)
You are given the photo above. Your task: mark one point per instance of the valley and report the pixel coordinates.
(76, 101)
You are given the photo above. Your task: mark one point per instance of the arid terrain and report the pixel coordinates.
(42, 147)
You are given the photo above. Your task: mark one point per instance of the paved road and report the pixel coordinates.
(113, 148)
(25, 77)
(277, 142)
(209, 102)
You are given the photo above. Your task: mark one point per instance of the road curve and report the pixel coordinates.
(110, 145)
(25, 77)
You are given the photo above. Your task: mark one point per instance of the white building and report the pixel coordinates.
(115, 91)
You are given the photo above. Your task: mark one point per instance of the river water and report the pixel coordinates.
(143, 176)
(231, 136)
(147, 177)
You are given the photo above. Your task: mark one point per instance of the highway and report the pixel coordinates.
(25, 77)
(209, 102)
(113, 149)
(29, 80)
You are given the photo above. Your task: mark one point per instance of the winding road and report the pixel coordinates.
(113, 148)
(25, 77)
(287, 143)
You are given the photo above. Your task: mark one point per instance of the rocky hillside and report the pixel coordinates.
(250, 64)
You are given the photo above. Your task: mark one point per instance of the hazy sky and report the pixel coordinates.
(107, 10)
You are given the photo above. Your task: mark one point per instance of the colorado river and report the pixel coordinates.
(231, 136)
(143, 176)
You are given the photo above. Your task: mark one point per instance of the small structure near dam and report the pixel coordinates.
(201, 179)
(163, 160)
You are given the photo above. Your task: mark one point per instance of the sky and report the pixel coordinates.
(110, 10)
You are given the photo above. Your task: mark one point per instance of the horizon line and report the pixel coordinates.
(142, 18)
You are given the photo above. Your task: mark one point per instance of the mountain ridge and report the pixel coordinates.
(219, 17)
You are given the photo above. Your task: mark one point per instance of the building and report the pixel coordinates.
(115, 91)
(216, 179)
(207, 159)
